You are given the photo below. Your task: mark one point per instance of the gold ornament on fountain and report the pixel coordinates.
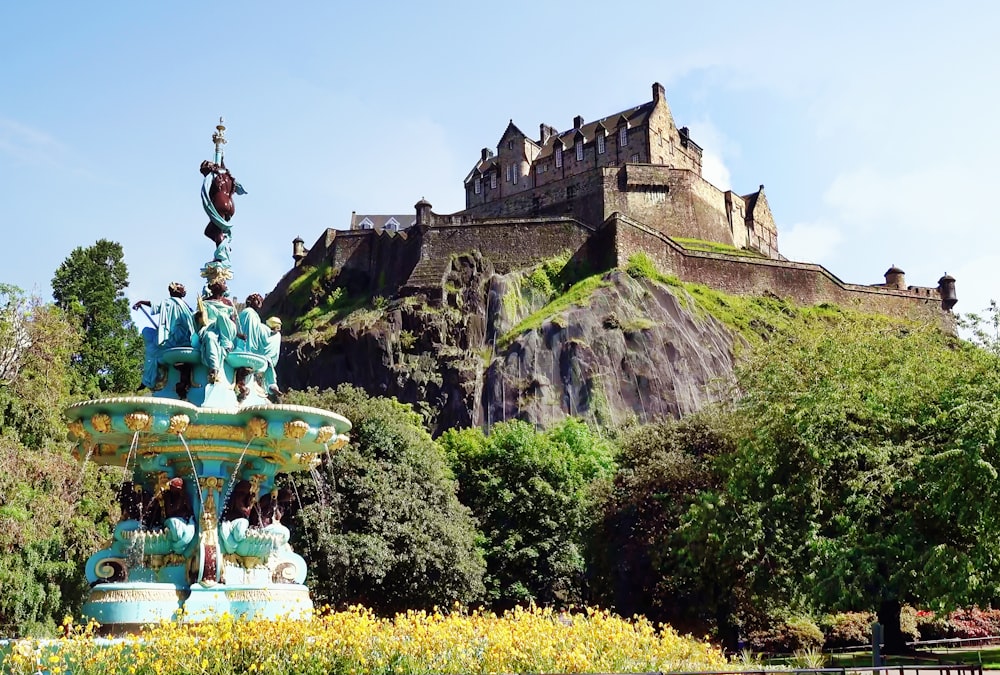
(76, 428)
(138, 421)
(178, 424)
(338, 443)
(101, 423)
(257, 427)
(296, 429)
(324, 434)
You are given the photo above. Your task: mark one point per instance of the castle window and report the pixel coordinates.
(600, 144)
(493, 179)
(558, 158)
(579, 150)
(570, 191)
(510, 144)
(479, 185)
(623, 136)
(634, 158)
(516, 171)
(510, 172)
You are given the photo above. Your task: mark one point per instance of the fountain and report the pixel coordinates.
(201, 533)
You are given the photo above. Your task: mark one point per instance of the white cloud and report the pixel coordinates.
(812, 242)
(716, 146)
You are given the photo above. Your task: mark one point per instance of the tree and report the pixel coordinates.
(89, 286)
(53, 513)
(533, 494)
(383, 526)
(664, 467)
(864, 475)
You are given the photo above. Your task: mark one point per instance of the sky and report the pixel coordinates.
(871, 125)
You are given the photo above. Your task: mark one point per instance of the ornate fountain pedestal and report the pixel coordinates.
(202, 533)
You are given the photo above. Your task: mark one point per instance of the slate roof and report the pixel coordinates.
(636, 117)
(379, 221)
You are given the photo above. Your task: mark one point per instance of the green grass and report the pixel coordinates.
(716, 247)
(578, 294)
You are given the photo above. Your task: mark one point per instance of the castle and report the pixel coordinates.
(629, 182)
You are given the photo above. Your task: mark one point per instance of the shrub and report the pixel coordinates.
(974, 623)
(848, 629)
(931, 626)
(786, 635)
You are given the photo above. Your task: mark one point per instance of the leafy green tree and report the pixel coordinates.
(534, 494)
(90, 287)
(53, 513)
(664, 468)
(383, 526)
(864, 474)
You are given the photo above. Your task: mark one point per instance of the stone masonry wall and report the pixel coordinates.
(803, 283)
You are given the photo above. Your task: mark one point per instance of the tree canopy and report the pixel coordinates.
(383, 526)
(90, 287)
(532, 493)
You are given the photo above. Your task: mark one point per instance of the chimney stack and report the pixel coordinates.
(577, 122)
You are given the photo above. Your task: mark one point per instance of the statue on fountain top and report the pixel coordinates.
(217, 199)
(175, 328)
(217, 330)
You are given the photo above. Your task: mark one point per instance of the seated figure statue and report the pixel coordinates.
(260, 339)
(217, 328)
(272, 353)
(174, 328)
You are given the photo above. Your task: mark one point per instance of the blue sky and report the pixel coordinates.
(872, 125)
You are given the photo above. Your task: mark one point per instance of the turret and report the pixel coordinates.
(946, 289)
(895, 278)
(424, 215)
(299, 250)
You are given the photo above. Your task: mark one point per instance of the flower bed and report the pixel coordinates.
(356, 641)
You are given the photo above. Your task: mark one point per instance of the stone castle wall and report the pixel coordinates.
(803, 283)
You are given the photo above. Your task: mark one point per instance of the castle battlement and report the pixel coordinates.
(629, 182)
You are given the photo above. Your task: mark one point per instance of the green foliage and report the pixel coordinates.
(534, 495)
(90, 287)
(716, 247)
(578, 294)
(785, 635)
(642, 560)
(385, 528)
(847, 629)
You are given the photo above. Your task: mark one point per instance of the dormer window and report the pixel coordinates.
(579, 150)
(392, 224)
(623, 136)
(366, 224)
(479, 185)
(558, 157)
(600, 144)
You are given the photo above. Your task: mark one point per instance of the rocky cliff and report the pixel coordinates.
(526, 345)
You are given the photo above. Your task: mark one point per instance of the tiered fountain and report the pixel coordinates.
(202, 532)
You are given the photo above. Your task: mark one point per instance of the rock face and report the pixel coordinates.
(624, 349)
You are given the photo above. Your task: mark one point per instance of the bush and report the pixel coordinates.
(847, 629)
(931, 626)
(974, 623)
(787, 635)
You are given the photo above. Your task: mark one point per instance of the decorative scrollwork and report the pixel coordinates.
(284, 573)
(111, 569)
(296, 429)
(101, 423)
(178, 424)
(138, 421)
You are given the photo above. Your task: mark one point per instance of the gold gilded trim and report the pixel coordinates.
(296, 429)
(101, 423)
(178, 424)
(216, 432)
(138, 421)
